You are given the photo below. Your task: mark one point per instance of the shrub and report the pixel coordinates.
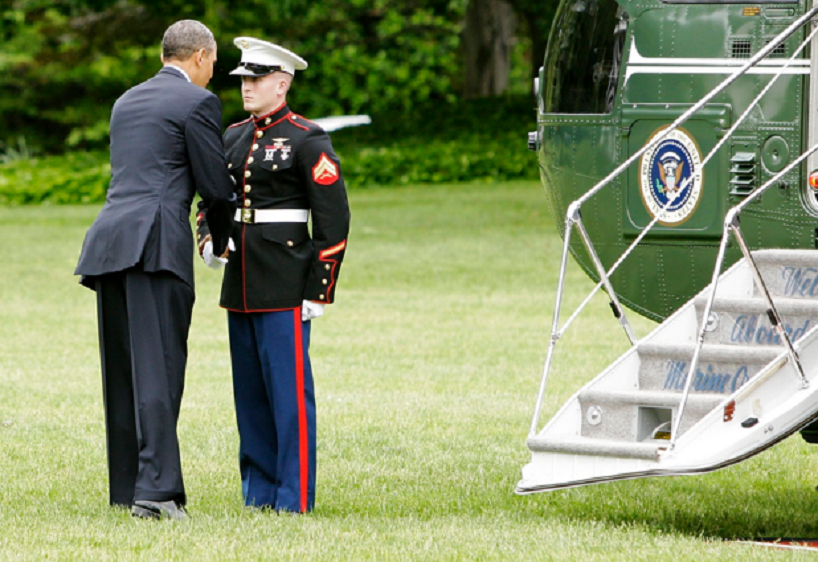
(464, 141)
(468, 141)
(74, 177)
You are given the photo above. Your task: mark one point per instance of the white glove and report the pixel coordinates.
(213, 261)
(310, 310)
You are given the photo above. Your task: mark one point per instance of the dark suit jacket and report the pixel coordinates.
(166, 144)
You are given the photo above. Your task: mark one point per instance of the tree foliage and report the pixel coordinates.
(64, 62)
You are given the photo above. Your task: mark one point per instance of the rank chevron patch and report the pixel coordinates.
(325, 172)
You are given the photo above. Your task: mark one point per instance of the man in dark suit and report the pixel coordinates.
(166, 145)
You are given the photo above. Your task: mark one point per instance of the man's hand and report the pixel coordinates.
(212, 261)
(310, 310)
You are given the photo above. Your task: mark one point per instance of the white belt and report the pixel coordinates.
(253, 216)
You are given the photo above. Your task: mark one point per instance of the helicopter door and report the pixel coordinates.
(670, 175)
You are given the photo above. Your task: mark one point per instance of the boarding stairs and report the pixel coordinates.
(745, 396)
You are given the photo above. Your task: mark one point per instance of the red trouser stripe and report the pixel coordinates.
(303, 451)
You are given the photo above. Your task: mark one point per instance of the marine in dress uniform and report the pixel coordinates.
(279, 277)
(166, 145)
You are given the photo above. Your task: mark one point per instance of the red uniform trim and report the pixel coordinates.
(270, 112)
(334, 250)
(273, 124)
(244, 198)
(303, 450)
(332, 278)
(299, 125)
(243, 268)
(307, 120)
(341, 246)
(244, 226)
(240, 123)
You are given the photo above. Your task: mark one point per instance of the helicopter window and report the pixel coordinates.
(583, 63)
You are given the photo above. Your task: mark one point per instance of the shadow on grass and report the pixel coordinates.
(736, 503)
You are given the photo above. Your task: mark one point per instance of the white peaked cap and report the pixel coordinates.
(257, 54)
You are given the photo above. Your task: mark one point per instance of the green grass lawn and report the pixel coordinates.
(426, 372)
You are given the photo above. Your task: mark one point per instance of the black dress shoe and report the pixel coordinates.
(146, 509)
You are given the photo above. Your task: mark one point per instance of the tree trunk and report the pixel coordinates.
(488, 37)
(539, 41)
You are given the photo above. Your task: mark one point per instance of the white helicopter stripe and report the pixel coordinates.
(650, 69)
(637, 64)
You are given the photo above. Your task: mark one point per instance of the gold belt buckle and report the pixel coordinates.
(248, 216)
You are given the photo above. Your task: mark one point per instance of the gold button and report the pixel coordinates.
(259, 134)
(247, 173)
(320, 297)
(326, 266)
(324, 281)
(255, 146)
(247, 189)
(290, 243)
(250, 160)
(246, 202)
(275, 166)
(229, 165)
(267, 121)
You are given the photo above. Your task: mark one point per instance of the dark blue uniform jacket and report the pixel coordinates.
(283, 161)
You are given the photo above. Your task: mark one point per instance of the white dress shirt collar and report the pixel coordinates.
(179, 68)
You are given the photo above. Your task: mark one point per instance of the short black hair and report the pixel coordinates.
(184, 38)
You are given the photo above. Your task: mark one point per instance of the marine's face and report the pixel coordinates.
(262, 94)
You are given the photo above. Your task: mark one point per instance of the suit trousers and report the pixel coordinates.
(144, 319)
(275, 408)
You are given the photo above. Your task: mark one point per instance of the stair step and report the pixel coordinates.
(755, 305)
(596, 447)
(656, 398)
(716, 353)
(722, 369)
(744, 321)
(616, 414)
(799, 258)
(788, 273)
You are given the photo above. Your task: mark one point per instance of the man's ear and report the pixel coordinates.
(283, 87)
(200, 56)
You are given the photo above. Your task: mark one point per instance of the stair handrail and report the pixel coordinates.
(573, 216)
(732, 225)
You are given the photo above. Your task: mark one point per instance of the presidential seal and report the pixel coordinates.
(670, 176)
